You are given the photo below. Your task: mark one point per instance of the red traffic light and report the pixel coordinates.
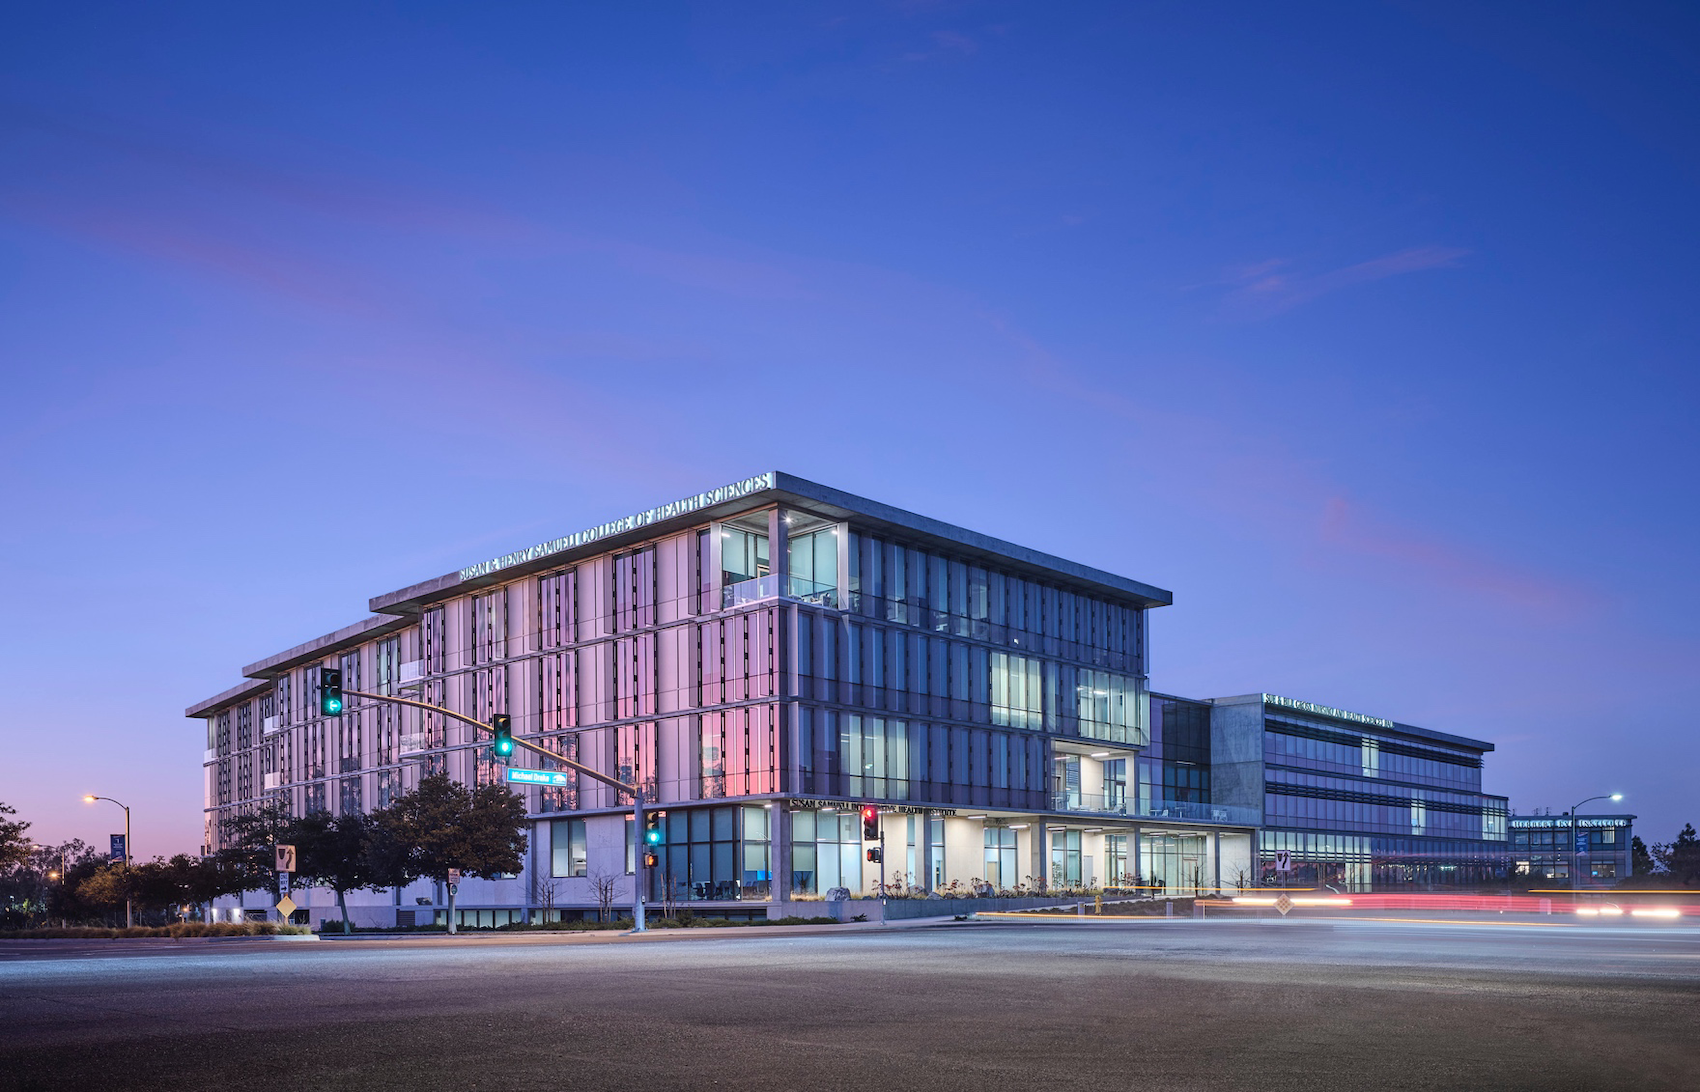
(870, 823)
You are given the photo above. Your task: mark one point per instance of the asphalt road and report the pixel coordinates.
(1259, 1005)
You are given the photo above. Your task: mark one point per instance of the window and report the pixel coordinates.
(715, 853)
(1108, 707)
(1017, 691)
(1001, 869)
(814, 562)
(1065, 858)
(568, 848)
(743, 555)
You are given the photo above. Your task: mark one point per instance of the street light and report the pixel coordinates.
(128, 918)
(1614, 798)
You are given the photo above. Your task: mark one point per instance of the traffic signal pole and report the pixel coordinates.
(640, 870)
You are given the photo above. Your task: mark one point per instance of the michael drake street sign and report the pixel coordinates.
(555, 778)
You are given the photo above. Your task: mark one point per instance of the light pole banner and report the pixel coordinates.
(118, 848)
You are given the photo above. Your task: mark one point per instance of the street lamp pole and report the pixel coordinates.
(1614, 797)
(129, 919)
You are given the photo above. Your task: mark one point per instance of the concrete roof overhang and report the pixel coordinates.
(792, 492)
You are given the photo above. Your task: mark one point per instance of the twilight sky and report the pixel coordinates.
(1366, 329)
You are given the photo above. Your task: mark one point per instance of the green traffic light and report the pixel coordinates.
(333, 706)
(653, 837)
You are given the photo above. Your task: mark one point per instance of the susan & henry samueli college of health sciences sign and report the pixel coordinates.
(622, 525)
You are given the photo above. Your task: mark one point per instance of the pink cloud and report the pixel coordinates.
(1266, 288)
(1344, 527)
(318, 284)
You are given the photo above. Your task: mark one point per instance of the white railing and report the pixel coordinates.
(270, 725)
(272, 781)
(411, 671)
(211, 755)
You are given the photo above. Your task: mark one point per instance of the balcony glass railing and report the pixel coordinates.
(768, 587)
(1116, 804)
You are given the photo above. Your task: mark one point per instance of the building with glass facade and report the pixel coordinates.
(762, 659)
(1544, 847)
(766, 657)
(1357, 802)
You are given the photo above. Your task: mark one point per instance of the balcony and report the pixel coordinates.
(1121, 805)
(272, 781)
(745, 592)
(270, 724)
(411, 671)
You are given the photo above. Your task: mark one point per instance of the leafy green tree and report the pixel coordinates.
(1680, 859)
(167, 886)
(249, 858)
(443, 825)
(340, 852)
(107, 888)
(1641, 862)
(81, 861)
(14, 845)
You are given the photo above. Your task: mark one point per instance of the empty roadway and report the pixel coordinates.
(1301, 1003)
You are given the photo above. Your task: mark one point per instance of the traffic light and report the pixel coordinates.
(503, 726)
(652, 835)
(873, 856)
(330, 691)
(870, 823)
(652, 860)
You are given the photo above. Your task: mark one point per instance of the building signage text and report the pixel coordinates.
(539, 777)
(1563, 822)
(1324, 711)
(852, 805)
(622, 525)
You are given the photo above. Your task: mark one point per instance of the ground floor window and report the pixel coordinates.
(1177, 864)
(1001, 869)
(714, 853)
(1115, 862)
(1065, 859)
(826, 852)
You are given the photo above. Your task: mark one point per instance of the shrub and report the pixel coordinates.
(174, 932)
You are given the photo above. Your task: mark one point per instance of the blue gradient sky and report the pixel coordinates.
(1367, 329)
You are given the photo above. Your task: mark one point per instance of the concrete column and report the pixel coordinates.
(924, 850)
(1135, 862)
(1216, 860)
(712, 566)
(1039, 862)
(779, 549)
(779, 852)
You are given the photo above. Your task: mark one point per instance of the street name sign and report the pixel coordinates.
(539, 777)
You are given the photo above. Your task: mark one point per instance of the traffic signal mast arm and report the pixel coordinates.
(630, 790)
(642, 879)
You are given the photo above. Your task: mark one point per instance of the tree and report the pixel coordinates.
(443, 825)
(249, 858)
(180, 882)
(338, 852)
(14, 846)
(602, 888)
(545, 892)
(107, 888)
(1680, 859)
(1641, 862)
